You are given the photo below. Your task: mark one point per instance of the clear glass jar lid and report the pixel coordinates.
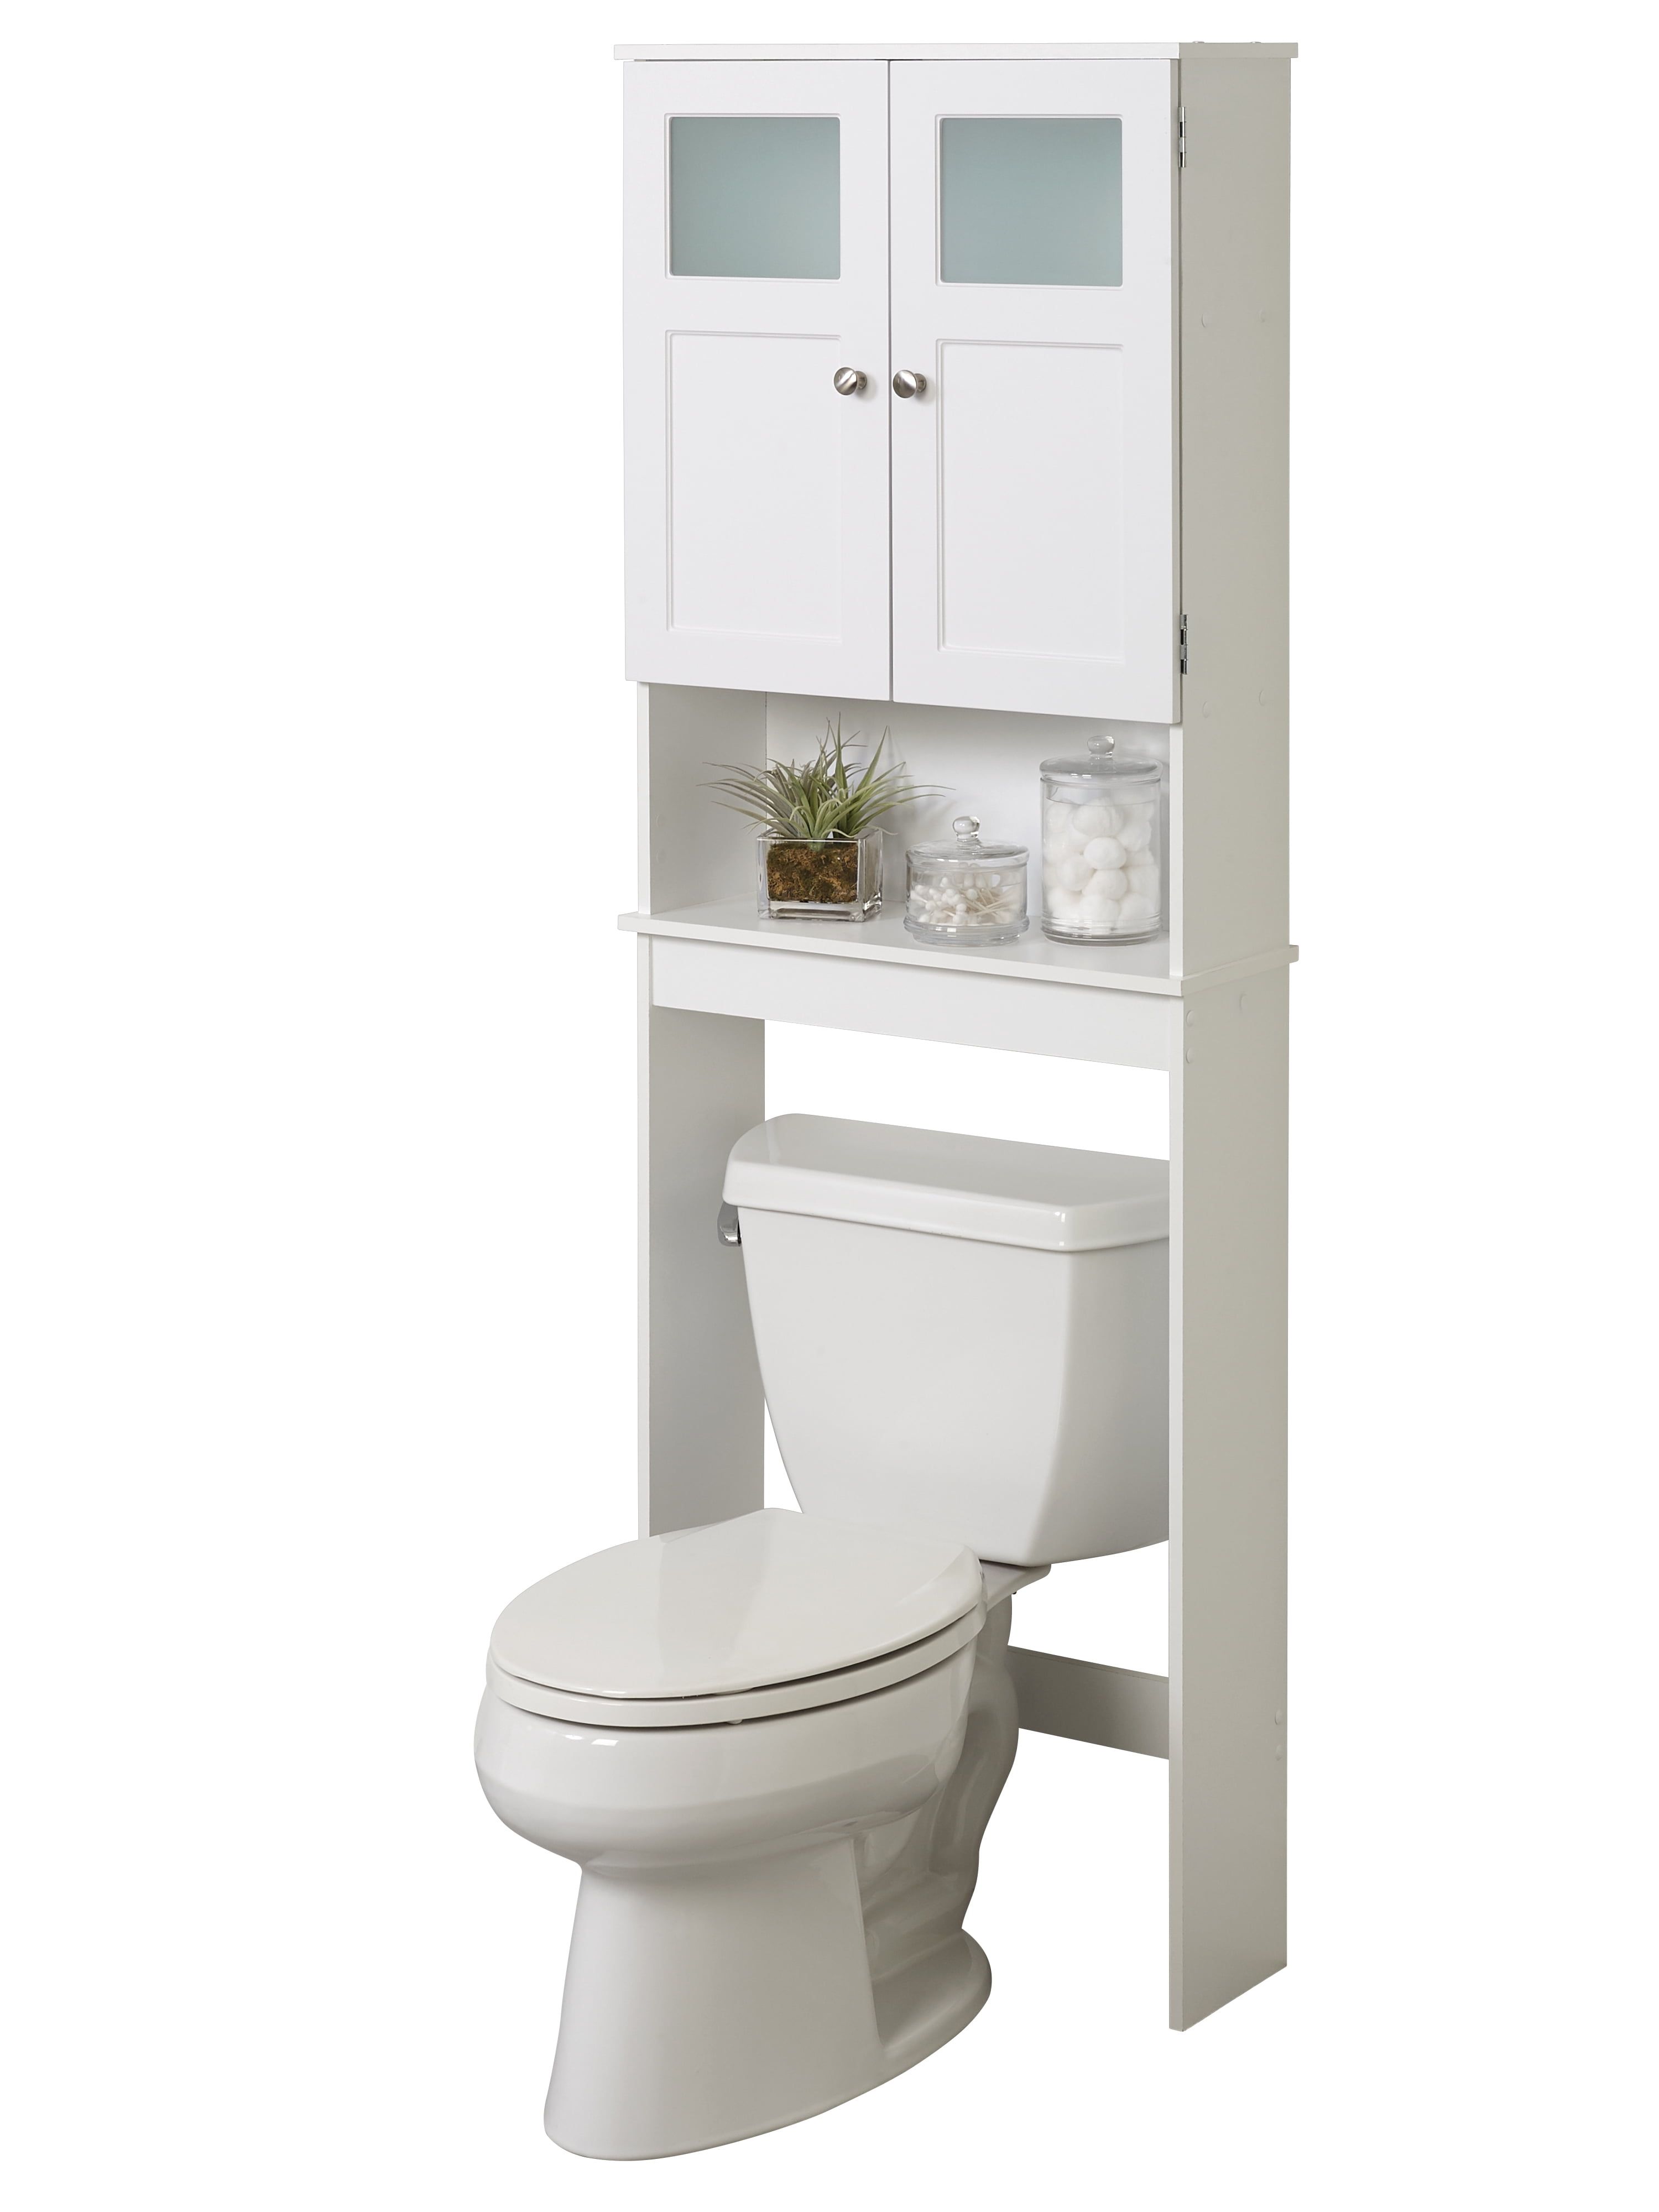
(968, 851)
(1103, 766)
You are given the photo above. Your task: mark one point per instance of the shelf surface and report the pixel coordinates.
(1142, 968)
(1158, 51)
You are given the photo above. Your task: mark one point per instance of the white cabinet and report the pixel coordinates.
(1013, 445)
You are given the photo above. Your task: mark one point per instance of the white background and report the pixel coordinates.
(317, 810)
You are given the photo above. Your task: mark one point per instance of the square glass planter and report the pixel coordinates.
(818, 878)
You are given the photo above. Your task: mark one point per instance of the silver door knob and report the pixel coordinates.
(849, 380)
(909, 383)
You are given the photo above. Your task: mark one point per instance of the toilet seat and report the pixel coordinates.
(798, 1697)
(770, 1613)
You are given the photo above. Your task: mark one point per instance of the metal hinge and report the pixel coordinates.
(1183, 645)
(1181, 137)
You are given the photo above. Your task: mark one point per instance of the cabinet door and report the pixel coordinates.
(755, 219)
(1034, 553)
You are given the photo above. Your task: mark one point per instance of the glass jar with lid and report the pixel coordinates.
(966, 892)
(1103, 869)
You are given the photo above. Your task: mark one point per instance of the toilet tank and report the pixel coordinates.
(960, 1336)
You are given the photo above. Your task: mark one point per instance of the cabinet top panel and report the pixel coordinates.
(1157, 52)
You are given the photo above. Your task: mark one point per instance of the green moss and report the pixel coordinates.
(812, 875)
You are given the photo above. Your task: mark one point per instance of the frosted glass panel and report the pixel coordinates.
(1032, 199)
(754, 196)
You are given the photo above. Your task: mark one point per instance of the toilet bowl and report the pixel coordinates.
(775, 1864)
(773, 1744)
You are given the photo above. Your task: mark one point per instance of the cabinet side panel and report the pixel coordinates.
(691, 848)
(1230, 788)
(1227, 1494)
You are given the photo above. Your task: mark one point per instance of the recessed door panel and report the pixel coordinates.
(1030, 463)
(754, 462)
(1034, 474)
(756, 267)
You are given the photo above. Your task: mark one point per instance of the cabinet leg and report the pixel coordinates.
(703, 1083)
(1227, 1522)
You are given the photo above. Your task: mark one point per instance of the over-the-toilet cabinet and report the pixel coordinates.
(1072, 511)
(1000, 530)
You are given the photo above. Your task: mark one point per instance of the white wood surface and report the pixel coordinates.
(1033, 958)
(885, 939)
(1228, 1086)
(1034, 556)
(1228, 1114)
(703, 1083)
(1068, 1001)
(1067, 52)
(1112, 1707)
(690, 850)
(757, 552)
(1010, 1013)
(1229, 789)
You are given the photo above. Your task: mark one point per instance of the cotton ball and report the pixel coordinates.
(1099, 911)
(931, 901)
(1072, 844)
(1143, 880)
(1104, 853)
(1137, 830)
(1136, 908)
(1110, 883)
(1097, 819)
(1074, 873)
(1051, 875)
(1064, 906)
(1056, 819)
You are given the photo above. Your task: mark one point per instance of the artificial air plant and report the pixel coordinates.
(820, 845)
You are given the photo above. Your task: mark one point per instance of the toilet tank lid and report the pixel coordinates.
(771, 1596)
(1043, 1196)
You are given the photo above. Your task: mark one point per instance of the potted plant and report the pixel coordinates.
(818, 852)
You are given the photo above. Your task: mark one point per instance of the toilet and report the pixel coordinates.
(773, 1744)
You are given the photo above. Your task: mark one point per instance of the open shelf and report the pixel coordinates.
(1116, 1004)
(1030, 958)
